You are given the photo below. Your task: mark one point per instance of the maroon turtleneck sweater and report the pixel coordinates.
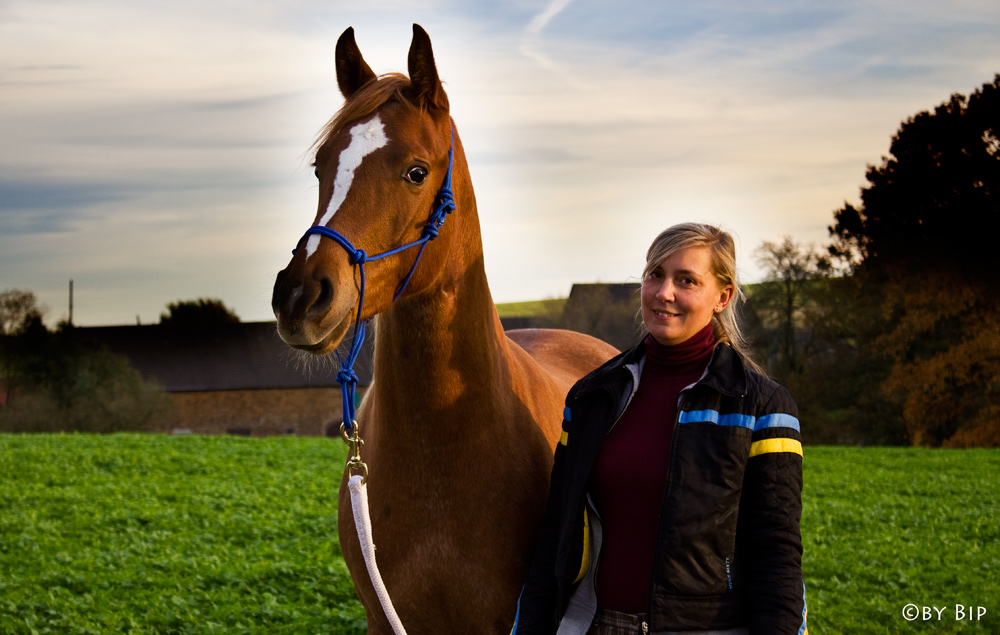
(630, 471)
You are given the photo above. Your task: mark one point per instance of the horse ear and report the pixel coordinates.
(352, 70)
(426, 88)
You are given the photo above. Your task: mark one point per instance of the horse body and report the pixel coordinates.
(461, 420)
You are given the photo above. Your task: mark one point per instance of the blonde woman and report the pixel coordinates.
(676, 490)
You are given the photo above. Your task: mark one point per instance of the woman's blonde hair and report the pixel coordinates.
(726, 323)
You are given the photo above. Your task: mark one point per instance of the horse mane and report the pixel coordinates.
(368, 99)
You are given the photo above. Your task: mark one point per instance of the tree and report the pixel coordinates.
(203, 313)
(936, 199)
(839, 386)
(924, 237)
(21, 329)
(812, 328)
(19, 310)
(57, 381)
(780, 299)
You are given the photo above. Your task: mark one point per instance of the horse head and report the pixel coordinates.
(380, 163)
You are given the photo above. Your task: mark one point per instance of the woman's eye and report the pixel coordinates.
(416, 175)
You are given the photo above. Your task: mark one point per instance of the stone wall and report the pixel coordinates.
(257, 413)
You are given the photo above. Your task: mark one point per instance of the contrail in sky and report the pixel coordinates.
(543, 18)
(531, 41)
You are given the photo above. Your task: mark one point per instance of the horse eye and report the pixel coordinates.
(416, 175)
(316, 171)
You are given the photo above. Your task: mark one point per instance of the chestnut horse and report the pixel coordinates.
(461, 419)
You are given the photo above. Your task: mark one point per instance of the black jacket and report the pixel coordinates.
(729, 550)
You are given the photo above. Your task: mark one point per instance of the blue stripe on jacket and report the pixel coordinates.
(804, 629)
(777, 420)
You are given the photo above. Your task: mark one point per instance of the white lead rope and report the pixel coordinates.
(362, 520)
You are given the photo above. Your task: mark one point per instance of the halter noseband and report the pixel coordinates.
(346, 377)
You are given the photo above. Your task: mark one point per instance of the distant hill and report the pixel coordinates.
(551, 307)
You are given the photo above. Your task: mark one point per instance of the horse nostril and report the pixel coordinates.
(277, 283)
(325, 297)
(276, 291)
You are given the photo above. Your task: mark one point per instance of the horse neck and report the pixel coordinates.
(446, 342)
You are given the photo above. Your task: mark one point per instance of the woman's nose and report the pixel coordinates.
(666, 291)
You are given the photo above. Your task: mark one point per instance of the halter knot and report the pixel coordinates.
(445, 206)
(447, 203)
(359, 257)
(347, 376)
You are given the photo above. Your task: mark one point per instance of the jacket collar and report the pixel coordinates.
(726, 372)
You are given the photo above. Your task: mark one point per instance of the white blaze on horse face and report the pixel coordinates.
(365, 138)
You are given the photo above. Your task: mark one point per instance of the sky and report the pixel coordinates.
(155, 151)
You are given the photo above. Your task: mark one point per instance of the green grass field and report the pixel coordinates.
(885, 528)
(157, 534)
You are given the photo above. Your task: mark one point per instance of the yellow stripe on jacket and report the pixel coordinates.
(766, 446)
(585, 559)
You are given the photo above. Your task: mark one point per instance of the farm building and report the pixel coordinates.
(606, 311)
(238, 379)
(242, 379)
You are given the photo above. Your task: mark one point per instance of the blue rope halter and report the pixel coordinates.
(445, 204)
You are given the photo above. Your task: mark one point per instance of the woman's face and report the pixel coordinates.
(681, 294)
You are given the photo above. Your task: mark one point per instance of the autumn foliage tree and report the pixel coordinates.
(925, 238)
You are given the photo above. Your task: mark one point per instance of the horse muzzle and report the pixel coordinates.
(313, 309)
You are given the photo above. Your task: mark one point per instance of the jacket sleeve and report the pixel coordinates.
(536, 609)
(771, 506)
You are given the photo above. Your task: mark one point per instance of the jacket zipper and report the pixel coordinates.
(635, 385)
(666, 486)
(670, 460)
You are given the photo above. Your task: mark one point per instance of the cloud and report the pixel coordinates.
(531, 43)
(158, 149)
(28, 196)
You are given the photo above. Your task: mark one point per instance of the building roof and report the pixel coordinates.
(606, 311)
(251, 355)
(248, 355)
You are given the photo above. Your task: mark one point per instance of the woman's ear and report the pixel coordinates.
(724, 298)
